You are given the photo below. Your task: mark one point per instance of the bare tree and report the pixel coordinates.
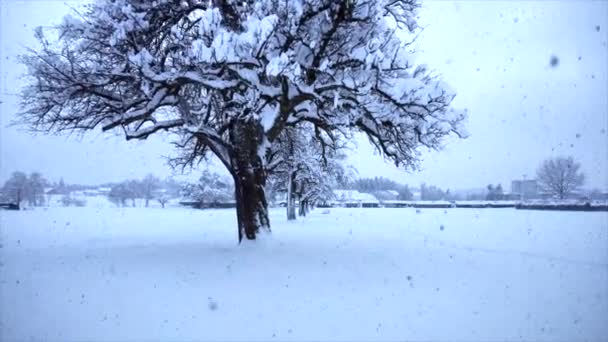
(120, 193)
(227, 77)
(148, 185)
(163, 200)
(560, 176)
(36, 185)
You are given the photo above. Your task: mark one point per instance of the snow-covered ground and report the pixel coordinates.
(106, 273)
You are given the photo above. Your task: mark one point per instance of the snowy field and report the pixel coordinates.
(104, 273)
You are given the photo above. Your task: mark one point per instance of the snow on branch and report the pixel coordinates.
(235, 70)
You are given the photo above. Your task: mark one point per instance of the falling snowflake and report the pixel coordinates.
(554, 61)
(212, 305)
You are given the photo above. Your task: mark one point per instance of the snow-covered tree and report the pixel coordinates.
(303, 169)
(227, 77)
(318, 180)
(560, 176)
(15, 187)
(210, 189)
(285, 159)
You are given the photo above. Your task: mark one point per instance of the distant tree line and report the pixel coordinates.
(61, 188)
(147, 189)
(434, 193)
(378, 184)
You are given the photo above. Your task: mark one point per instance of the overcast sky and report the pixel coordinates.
(496, 55)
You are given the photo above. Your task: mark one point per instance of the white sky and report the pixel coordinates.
(494, 54)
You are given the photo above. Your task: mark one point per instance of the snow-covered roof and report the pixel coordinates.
(354, 195)
(484, 202)
(426, 202)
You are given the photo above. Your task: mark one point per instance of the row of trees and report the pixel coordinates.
(146, 189)
(238, 79)
(495, 193)
(434, 193)
(21, 187)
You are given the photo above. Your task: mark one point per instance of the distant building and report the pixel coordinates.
(386, 195)
(598, 195)
(104, 190)
(525, 189)
(54, 191)
(511, 197)
(354, 199)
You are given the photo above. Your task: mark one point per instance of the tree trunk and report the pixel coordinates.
(291, 198)
(147, 201)
(249, 180)
(302, 207)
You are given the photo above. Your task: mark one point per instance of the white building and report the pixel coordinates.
(355, 199)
